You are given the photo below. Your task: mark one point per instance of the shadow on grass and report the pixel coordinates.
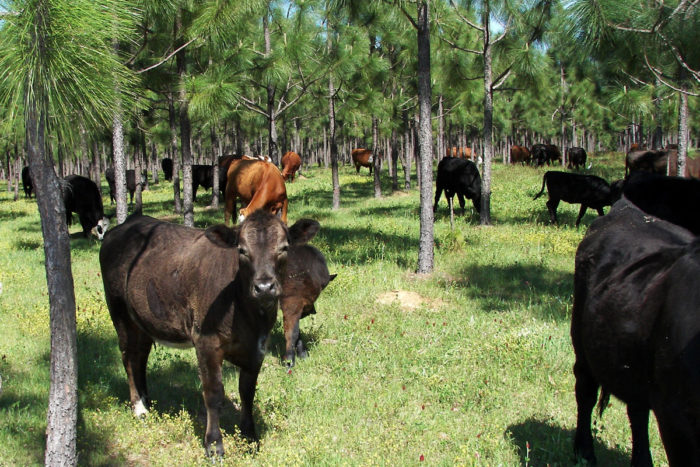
(499, 288)
(360, 245)
(553, 445)
(23, 412)
(173, 385)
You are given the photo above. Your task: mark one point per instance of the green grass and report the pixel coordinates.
(479, 368)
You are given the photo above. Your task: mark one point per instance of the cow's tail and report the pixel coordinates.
(603, 401)
(544, 180)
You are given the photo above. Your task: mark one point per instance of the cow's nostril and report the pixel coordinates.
(264, 288)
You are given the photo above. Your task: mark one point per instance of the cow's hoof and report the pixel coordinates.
(140, 409)
(215, 451)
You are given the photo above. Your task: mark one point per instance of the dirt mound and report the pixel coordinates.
(407, 300)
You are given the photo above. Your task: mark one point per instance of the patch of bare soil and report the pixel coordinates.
(407, 300)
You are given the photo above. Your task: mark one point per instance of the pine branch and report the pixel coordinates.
(166, 58)
(465, 19)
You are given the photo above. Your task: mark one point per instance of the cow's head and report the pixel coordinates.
(262, 242)
(101, 227)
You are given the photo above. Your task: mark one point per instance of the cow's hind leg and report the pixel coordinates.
(462, 203)
(552, 205)
(639, 421)
(438, 193)
(586, 393)
(135, 346)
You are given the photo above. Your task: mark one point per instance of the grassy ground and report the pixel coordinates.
(470, 366)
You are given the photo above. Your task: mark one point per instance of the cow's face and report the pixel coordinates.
(101, 227)
(263, 241)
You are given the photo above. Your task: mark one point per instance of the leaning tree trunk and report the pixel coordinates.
(425, 142)
(62, 416)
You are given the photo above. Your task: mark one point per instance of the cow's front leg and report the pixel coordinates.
(291, 336)
(210, 359)
(246, 388)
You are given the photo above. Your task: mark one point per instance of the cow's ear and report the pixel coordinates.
(222, 236)
(303, 231)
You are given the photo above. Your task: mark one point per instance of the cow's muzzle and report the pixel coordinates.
(266, 291)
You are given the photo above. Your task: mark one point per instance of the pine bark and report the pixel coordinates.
(425, 142)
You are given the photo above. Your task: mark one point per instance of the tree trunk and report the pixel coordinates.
(682, 126)
(174, 154)
(334, 145)
(425, 142)
(377, 158)
(185, 132)
(485, 216)
(62, 416)
(215, 154)
(119, 166)
(441, 129)
(406, 162)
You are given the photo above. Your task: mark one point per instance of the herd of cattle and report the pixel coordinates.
(636, 310)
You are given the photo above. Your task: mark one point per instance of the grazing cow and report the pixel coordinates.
(637, 147)
(80, 195)
(460, 177)
(203, 175)
(214, 289)
(673, 199)
(519, 154)
(290, 164)
(307, 275)
(591, 191)
(460, 151)
(259, 184)
(362, 158)
(545, 153)
(654, 161)
(130, 183)
(27, 185)
(167, 166)
(635, 330)
(576, 158)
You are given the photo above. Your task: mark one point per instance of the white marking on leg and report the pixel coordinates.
(140, 409)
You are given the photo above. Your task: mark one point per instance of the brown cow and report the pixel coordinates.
(362, 158)
(216, 290)
(259, 184)
(462, 152)
(653, 161)
(307, 275)
(519, 154)
(290, 164)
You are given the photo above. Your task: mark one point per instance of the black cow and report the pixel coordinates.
(307, 275)
(27, 185)
(167, 166)
(203, 175)
(214, 289)
(576, 158)
(130, 183)
(653, 161)
(80, 195)
(545, 153)
(635, 330)
(674, 199)
(588, 190)
(461, 177)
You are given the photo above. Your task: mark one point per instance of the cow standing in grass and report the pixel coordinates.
(458, 177)
(635, 330)
(588, 190)
(81, 196)
(216, 290)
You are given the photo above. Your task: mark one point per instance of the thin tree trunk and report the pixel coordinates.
(119, 166)
(485, 216)
(62, 415)
(215, 154)
(406, 162)
(377, 158)
(185, 132)
(334, 145)
(425, 142)
(174, 154)
(682, 126)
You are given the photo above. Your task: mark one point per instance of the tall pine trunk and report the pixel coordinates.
(425, 142)
(485, 216)
(174, 154)
(185, 132)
